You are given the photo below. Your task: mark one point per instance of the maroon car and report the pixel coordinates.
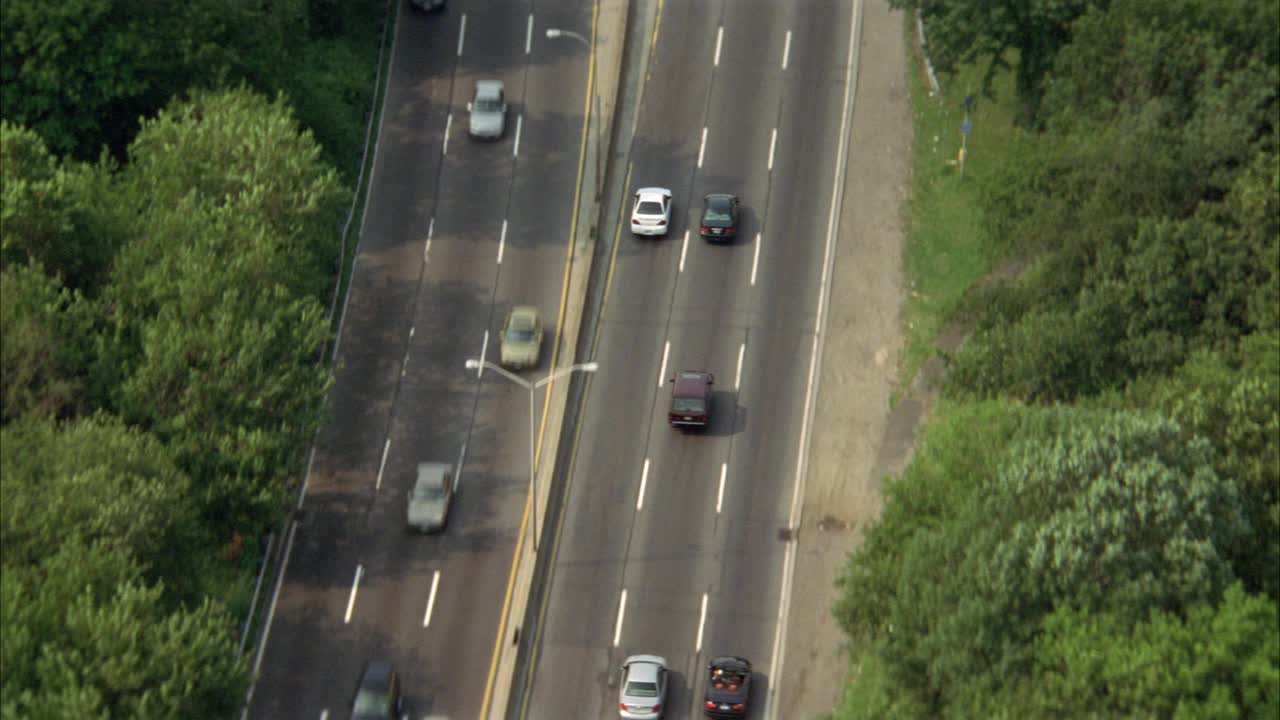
(691, 399)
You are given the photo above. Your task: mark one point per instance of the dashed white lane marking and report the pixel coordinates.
(622, 611)
(719, 40)
(355, 587)
(702, 147)
(773, 143)
(662, 371)
(431, 598)
(755, 260)
(515, 148)
(377, 485)
(324, 714)
(502, 244)
(724, 470)
(684, 247)
(426, 247)
(484, 348)
(702, 620)
(737, 378)
(404, 364)
(528, 35)
(644, 480)
(786, 50)
(462, 33)
(448, 121)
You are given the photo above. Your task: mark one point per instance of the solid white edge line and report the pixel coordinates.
(684, 247)
(462, 33)
(622, 611)
(737, 378)
(644, 480)
(702, 621)
(755, 260)
(431, 599)
(502, 241)
(724, 470)
(773, 143)
(377, 485)
(355, 587)
(788, 563)
(786, 50)
(448, 121)
(515, 148)
(662, 371)
(719, 40)
(528, 35)
(702, 147)
(484, 348)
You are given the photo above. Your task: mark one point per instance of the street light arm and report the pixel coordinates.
(504, 373)
(558, 32)
(584, 367)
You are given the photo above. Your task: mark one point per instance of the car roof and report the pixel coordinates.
(488, 88)
(429, 475)
(690, 383)
(377, 675)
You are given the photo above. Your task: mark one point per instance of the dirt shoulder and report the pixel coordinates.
(855, 441)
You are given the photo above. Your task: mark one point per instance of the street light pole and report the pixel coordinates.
(532, 387)
(554, 33)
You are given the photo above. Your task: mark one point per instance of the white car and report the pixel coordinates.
(651, 214)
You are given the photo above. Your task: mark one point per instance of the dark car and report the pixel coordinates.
(427, 5)
(691, 399)
(719, 217)
(378, 697)
(728, 687)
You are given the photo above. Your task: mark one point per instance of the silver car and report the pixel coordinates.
(644, 687)
(488, 108)
(429, 499)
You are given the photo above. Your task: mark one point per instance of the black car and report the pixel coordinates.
(427, 5)
(728, 687)
(378, 697)
(691, 399)
(719, 216)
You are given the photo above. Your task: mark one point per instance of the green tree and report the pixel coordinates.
(51, 211)
(1033, 31)
(1216, 661)
(47, 345)
(101, 482)
(84, 636)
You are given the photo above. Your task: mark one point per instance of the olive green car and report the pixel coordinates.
(522, 338)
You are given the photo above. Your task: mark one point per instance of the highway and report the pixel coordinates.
(672, 543)
(455, 232)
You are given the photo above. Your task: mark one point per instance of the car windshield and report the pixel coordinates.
(429, 492)
(370, 702)
(520, 335)
(642, 689)
(687, 405)
(717, 214)
(488, 105)
(649, 207)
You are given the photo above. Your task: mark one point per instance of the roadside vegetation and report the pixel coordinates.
(175, 176)
(1090, 525)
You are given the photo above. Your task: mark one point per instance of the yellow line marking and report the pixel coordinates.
(564, 293)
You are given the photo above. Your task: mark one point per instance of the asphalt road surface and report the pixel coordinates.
(670, 543)
(456, 232)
